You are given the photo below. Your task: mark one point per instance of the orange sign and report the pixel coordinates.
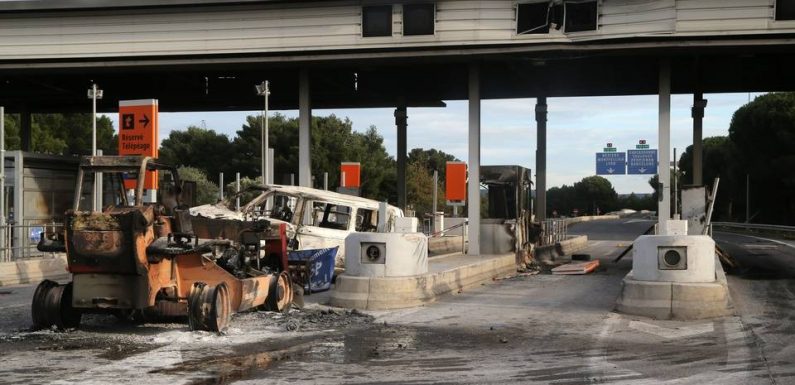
(138, 134)
(352, 172)
(455, 182)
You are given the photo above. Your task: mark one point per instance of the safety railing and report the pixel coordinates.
(787, 231)
(18, 241)
(449, 229)
(553, 231)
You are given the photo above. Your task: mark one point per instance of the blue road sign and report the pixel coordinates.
(642, 162)
(611, 163)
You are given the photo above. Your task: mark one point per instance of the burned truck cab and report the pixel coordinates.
(507, 224)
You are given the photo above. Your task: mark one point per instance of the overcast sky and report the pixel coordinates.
(577, 129)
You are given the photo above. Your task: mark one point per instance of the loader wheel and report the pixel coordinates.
(52, 306)
(38, 308)
(209, 307)
(280, 293)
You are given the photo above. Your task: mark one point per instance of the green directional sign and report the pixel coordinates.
(610, 149)
(642, 146)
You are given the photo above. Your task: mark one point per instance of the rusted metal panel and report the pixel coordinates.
(108, 244)
(254, 292)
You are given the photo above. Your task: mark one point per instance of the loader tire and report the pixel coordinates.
(209, 307)
(280, 293)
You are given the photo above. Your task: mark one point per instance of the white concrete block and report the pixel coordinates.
(675, 227)
(406, 224)
(403, 254)
(699, 259)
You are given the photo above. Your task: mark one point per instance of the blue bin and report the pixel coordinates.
(321, 266)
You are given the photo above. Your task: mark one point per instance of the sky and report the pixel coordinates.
(577, 128)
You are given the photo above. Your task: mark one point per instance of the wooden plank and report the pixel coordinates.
(576, 268)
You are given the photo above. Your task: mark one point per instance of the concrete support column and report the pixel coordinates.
(541, 158)
(473, 187)
(304, 125)
(664, 142)
(25, 133)
(699, 103)
(401, 121)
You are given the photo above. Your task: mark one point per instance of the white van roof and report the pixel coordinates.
(312, 193)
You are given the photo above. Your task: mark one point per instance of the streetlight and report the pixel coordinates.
(263, 89)
(94, 93)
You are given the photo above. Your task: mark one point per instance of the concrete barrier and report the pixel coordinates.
(571, 221)
(381, 293)
(445, 245)
(676, 300)
(34, 270)
(551, 254)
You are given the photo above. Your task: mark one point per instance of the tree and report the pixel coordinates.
(719, 159)
(245, 183)
(419, 189)
(595, 195)
(201, 148)
(432, 159)
(560, 200)
(420, 165)
(333, 141)
(283, 138)
(62, 134)
(763, 133)
(206, 191)
(590, 195)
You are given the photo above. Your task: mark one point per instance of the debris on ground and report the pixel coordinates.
(516, 275)
(576, 268)
(316, 319)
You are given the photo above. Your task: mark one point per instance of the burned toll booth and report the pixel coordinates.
(506, 225)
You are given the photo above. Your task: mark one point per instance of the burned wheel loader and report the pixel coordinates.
(136, 259)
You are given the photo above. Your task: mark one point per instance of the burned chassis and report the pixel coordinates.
(142, 260)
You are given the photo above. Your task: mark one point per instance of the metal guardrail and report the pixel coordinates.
(19, 241)
(449, 229)
(755, 226)
(553, 231)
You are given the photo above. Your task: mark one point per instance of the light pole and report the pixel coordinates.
(263, 89)
(94, 93)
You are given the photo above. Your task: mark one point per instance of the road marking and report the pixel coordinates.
(680, 332)
(760, 238)
(14, 306)
(637, 221)
(598, 365)
(759, 246)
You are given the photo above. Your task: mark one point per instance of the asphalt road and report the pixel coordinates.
(537, 329)
(758, 256)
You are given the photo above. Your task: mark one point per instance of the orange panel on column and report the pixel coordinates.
(352, 172)
(455, 184)
(138, 134)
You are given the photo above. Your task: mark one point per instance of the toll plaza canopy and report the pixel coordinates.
(207, 54)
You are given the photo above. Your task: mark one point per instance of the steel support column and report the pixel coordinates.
(473, 187)
(664, 142)
(401, 121)
(304, 125)
(541, 158)
(699, 103)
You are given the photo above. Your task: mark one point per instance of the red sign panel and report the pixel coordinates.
(455, 182)
(138, 134)
(352, 172)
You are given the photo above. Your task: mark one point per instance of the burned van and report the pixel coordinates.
(315, 219)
